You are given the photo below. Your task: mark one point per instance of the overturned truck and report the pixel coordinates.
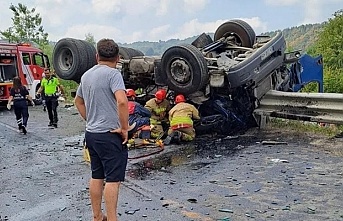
(225, 77)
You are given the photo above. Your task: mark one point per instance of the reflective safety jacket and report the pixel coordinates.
(182, 115)
(50, 85)
(158, 111)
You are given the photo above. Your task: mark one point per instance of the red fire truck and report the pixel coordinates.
(24, 61)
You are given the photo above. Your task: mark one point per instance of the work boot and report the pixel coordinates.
(24, 130)
(167, 140)
(175, 136)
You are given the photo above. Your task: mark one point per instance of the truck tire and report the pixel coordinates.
(202, 41)
(88, 53)
(185, 69)
(245, 34)
(128, 53)
(90, 56)
(71, 59)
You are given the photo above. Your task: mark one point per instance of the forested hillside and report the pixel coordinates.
(300, 37)
(157, 48)
(297, 38)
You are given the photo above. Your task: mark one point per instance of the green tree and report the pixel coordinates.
(90, 38)
(333, 80)
(330, 45)
(26, 27)
(330, 42)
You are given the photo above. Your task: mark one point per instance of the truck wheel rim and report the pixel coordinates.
(180, 71)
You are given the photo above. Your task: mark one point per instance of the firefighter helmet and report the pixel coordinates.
(130, 93)
(179, 98)
(161, 94)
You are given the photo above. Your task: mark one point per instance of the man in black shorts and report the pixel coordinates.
(101, 101)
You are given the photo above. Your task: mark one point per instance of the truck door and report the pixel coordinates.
(33, 66)
(26, 73)
(38, 64)
(46, 61)
(40, 61)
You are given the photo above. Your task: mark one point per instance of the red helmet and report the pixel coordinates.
(179, 98)
(161, 94)
(130, 93)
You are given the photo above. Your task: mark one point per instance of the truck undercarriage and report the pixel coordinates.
(224, 77)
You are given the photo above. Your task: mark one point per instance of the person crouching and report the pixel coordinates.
(181, 121)
(158, 107)
(138, 114)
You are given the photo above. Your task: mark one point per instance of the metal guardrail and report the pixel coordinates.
(314, 107)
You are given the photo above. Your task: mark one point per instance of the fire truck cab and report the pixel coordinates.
(24, 61)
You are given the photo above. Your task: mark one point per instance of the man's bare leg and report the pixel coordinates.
(96, 187)
(111, 192)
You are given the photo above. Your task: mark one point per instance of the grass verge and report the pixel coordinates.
(69, 87)
(304, 126)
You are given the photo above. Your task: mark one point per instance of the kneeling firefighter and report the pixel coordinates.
(159, 107)
(138, 114)
(181, 121)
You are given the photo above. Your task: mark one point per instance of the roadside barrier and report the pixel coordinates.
(314, 107)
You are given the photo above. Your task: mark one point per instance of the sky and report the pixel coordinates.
(128, 21)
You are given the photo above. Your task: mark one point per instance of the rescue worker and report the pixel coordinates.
(181, 121)
(19, 95)
(158, 107)
(137, 113)
(51, 87)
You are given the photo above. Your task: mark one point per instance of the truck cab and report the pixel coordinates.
(24, 61)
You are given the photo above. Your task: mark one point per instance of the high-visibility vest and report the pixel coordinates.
(50, 86)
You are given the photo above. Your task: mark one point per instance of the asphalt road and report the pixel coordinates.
(43, 176)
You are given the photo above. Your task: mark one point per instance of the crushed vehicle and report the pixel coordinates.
(225, 77)
(21, 60)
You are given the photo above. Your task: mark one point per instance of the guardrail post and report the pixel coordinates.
(261, 120)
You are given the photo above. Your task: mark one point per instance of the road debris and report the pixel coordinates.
(271, 142)
(131, 212)
(226, 210)
(279, 161)
(192, 200)
(72, 144)
(50, 172)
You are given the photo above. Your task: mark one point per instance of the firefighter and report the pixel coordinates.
(158, 107)
(138, 113)
(51, 87)
(181, 121)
